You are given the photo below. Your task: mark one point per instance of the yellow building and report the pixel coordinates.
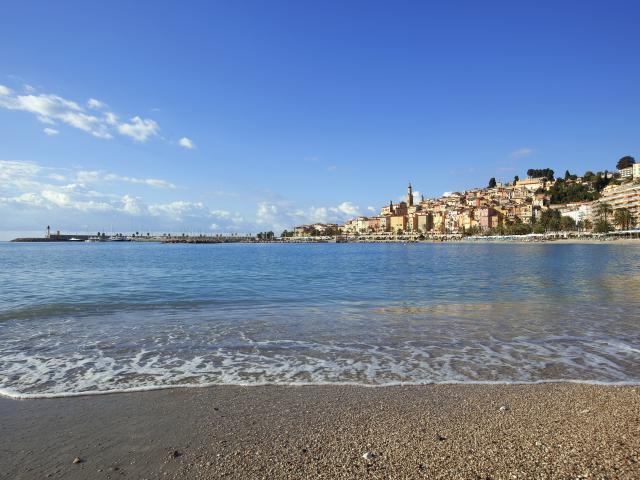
(397, 223)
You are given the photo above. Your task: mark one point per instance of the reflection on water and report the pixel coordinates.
(105, 317)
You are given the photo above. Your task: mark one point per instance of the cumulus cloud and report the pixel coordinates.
(140, 129)
(187, 143)
(54, 109)
(51, 131)
(31, 194)
(281, 214)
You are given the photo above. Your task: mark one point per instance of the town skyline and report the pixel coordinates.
(541, 202)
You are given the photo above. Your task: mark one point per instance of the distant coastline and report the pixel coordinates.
(632, 236)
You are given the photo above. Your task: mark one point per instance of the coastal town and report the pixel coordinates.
(540, 204)
(602, 205)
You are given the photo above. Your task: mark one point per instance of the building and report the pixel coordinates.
(579, 211)
(398, 223)
(489, 218)
(424, 222)
(623, 196)
(532, 184)
(626, 173)
(636, 171)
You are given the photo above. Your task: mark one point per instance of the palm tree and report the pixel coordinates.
(603, 210)
(623, 218)
(587, 224)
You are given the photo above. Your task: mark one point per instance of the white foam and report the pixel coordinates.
(32, 396)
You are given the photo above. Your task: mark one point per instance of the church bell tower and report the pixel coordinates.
(410, 195)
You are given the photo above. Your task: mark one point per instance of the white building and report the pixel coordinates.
(626, 172)
(578, 211)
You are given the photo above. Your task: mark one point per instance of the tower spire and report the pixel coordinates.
(410, 195)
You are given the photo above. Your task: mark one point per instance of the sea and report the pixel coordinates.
(90, 318)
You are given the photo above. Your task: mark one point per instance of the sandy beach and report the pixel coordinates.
(436, 431)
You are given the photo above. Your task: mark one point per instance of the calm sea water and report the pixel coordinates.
(117, 316)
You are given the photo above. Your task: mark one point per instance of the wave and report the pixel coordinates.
(33, 396)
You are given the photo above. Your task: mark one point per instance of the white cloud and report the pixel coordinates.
(348, 208)
(32, 195)
(187, 143)
(57, 198)
(97, 177)
(279, 215)
(51, 131)
(54, 109)
(94, 104)
(521, 153)
(131, 205)
(140, 129)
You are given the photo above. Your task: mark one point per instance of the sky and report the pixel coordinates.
(239, 116)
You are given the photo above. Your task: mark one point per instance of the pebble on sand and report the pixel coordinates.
(77, 460)
(368, 456)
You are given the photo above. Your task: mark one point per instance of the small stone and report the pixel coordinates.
(77, 460)
(538, 443)
(209, 464)
(504, 408)
(368, 456)
(586, 410)
(441, 438)
(175, 454)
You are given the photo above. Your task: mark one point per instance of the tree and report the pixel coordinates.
(492, 182)
(567, 224)
(562, 192)
(623, 218)
(549, 220)
(541, 173)
(567, 175)
(516, 179)
(625, 162)
(588, 225)
(602, 226)
(603, 210)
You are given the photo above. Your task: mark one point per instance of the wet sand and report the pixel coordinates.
(440, 431)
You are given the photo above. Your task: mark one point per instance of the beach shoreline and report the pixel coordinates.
(558, 430)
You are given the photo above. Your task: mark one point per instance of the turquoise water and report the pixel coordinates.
(81, 317)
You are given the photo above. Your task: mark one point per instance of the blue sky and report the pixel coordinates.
(298, 111)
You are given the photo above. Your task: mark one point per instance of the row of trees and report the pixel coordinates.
(622, 217)
(541, 173)
(552, 221)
